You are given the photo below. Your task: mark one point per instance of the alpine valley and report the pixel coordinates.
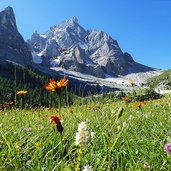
(91, 59)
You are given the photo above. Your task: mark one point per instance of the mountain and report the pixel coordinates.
(90, 52)
(88, 56)
(12, 45)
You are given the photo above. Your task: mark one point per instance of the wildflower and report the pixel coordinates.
(130, 117)
(146, 166)
(92, 135)
(18, 147)
(125, 98)
(62, 83)
(146, 116)
(29, 162)
(27, 130)
(56, 120)
(53, 85)
(21, 92)
(160, 123)
(82, 134)
(167, 148)
(138, 105)
(71, 111)
(87, 168)
(124, 124)
(118, 127)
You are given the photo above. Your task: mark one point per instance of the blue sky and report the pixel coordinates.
(141, 27)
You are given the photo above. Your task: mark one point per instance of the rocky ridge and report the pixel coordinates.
(90, 52)
(12, 44)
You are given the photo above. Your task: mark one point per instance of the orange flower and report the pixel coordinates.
(55, 120)
(138, 105)
(62, 83)
(53, 85)
(21, 92)
(125, 98)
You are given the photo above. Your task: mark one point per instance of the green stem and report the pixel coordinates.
(67, 101)
(79, 159)
(21, 102)
(59, 102)
(62, 147)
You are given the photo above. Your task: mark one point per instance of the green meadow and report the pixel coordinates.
(121, 136)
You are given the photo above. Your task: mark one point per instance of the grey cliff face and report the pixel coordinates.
(12, 45)
(87, 51)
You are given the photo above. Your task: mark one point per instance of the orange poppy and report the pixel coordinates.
(21, 92)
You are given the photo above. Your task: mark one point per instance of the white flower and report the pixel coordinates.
(82, 134)
(119, 127)
(27, 130)
(124, 124)
(130, 117)
(92, 135)
(146, 166)
(87, 168)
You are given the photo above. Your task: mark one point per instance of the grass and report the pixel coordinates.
(156, 80)
(29, 142)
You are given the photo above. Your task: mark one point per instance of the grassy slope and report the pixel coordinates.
(136, 138)
(154, 81)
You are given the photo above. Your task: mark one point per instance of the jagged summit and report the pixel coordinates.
(73, 20)
(12, 45)
(7, 18)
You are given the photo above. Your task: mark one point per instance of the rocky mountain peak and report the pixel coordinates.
(7, 18)
(12, 45)
(72, 21)
(90, 52)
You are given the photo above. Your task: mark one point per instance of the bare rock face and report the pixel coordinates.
(87, 51)
(12, 45)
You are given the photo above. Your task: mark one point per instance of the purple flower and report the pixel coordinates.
(167, 148)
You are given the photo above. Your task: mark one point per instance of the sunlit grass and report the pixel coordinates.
(29, 142)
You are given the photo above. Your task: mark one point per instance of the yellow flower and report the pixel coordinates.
(21, 92)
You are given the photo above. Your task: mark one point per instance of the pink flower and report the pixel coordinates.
(167, 148)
